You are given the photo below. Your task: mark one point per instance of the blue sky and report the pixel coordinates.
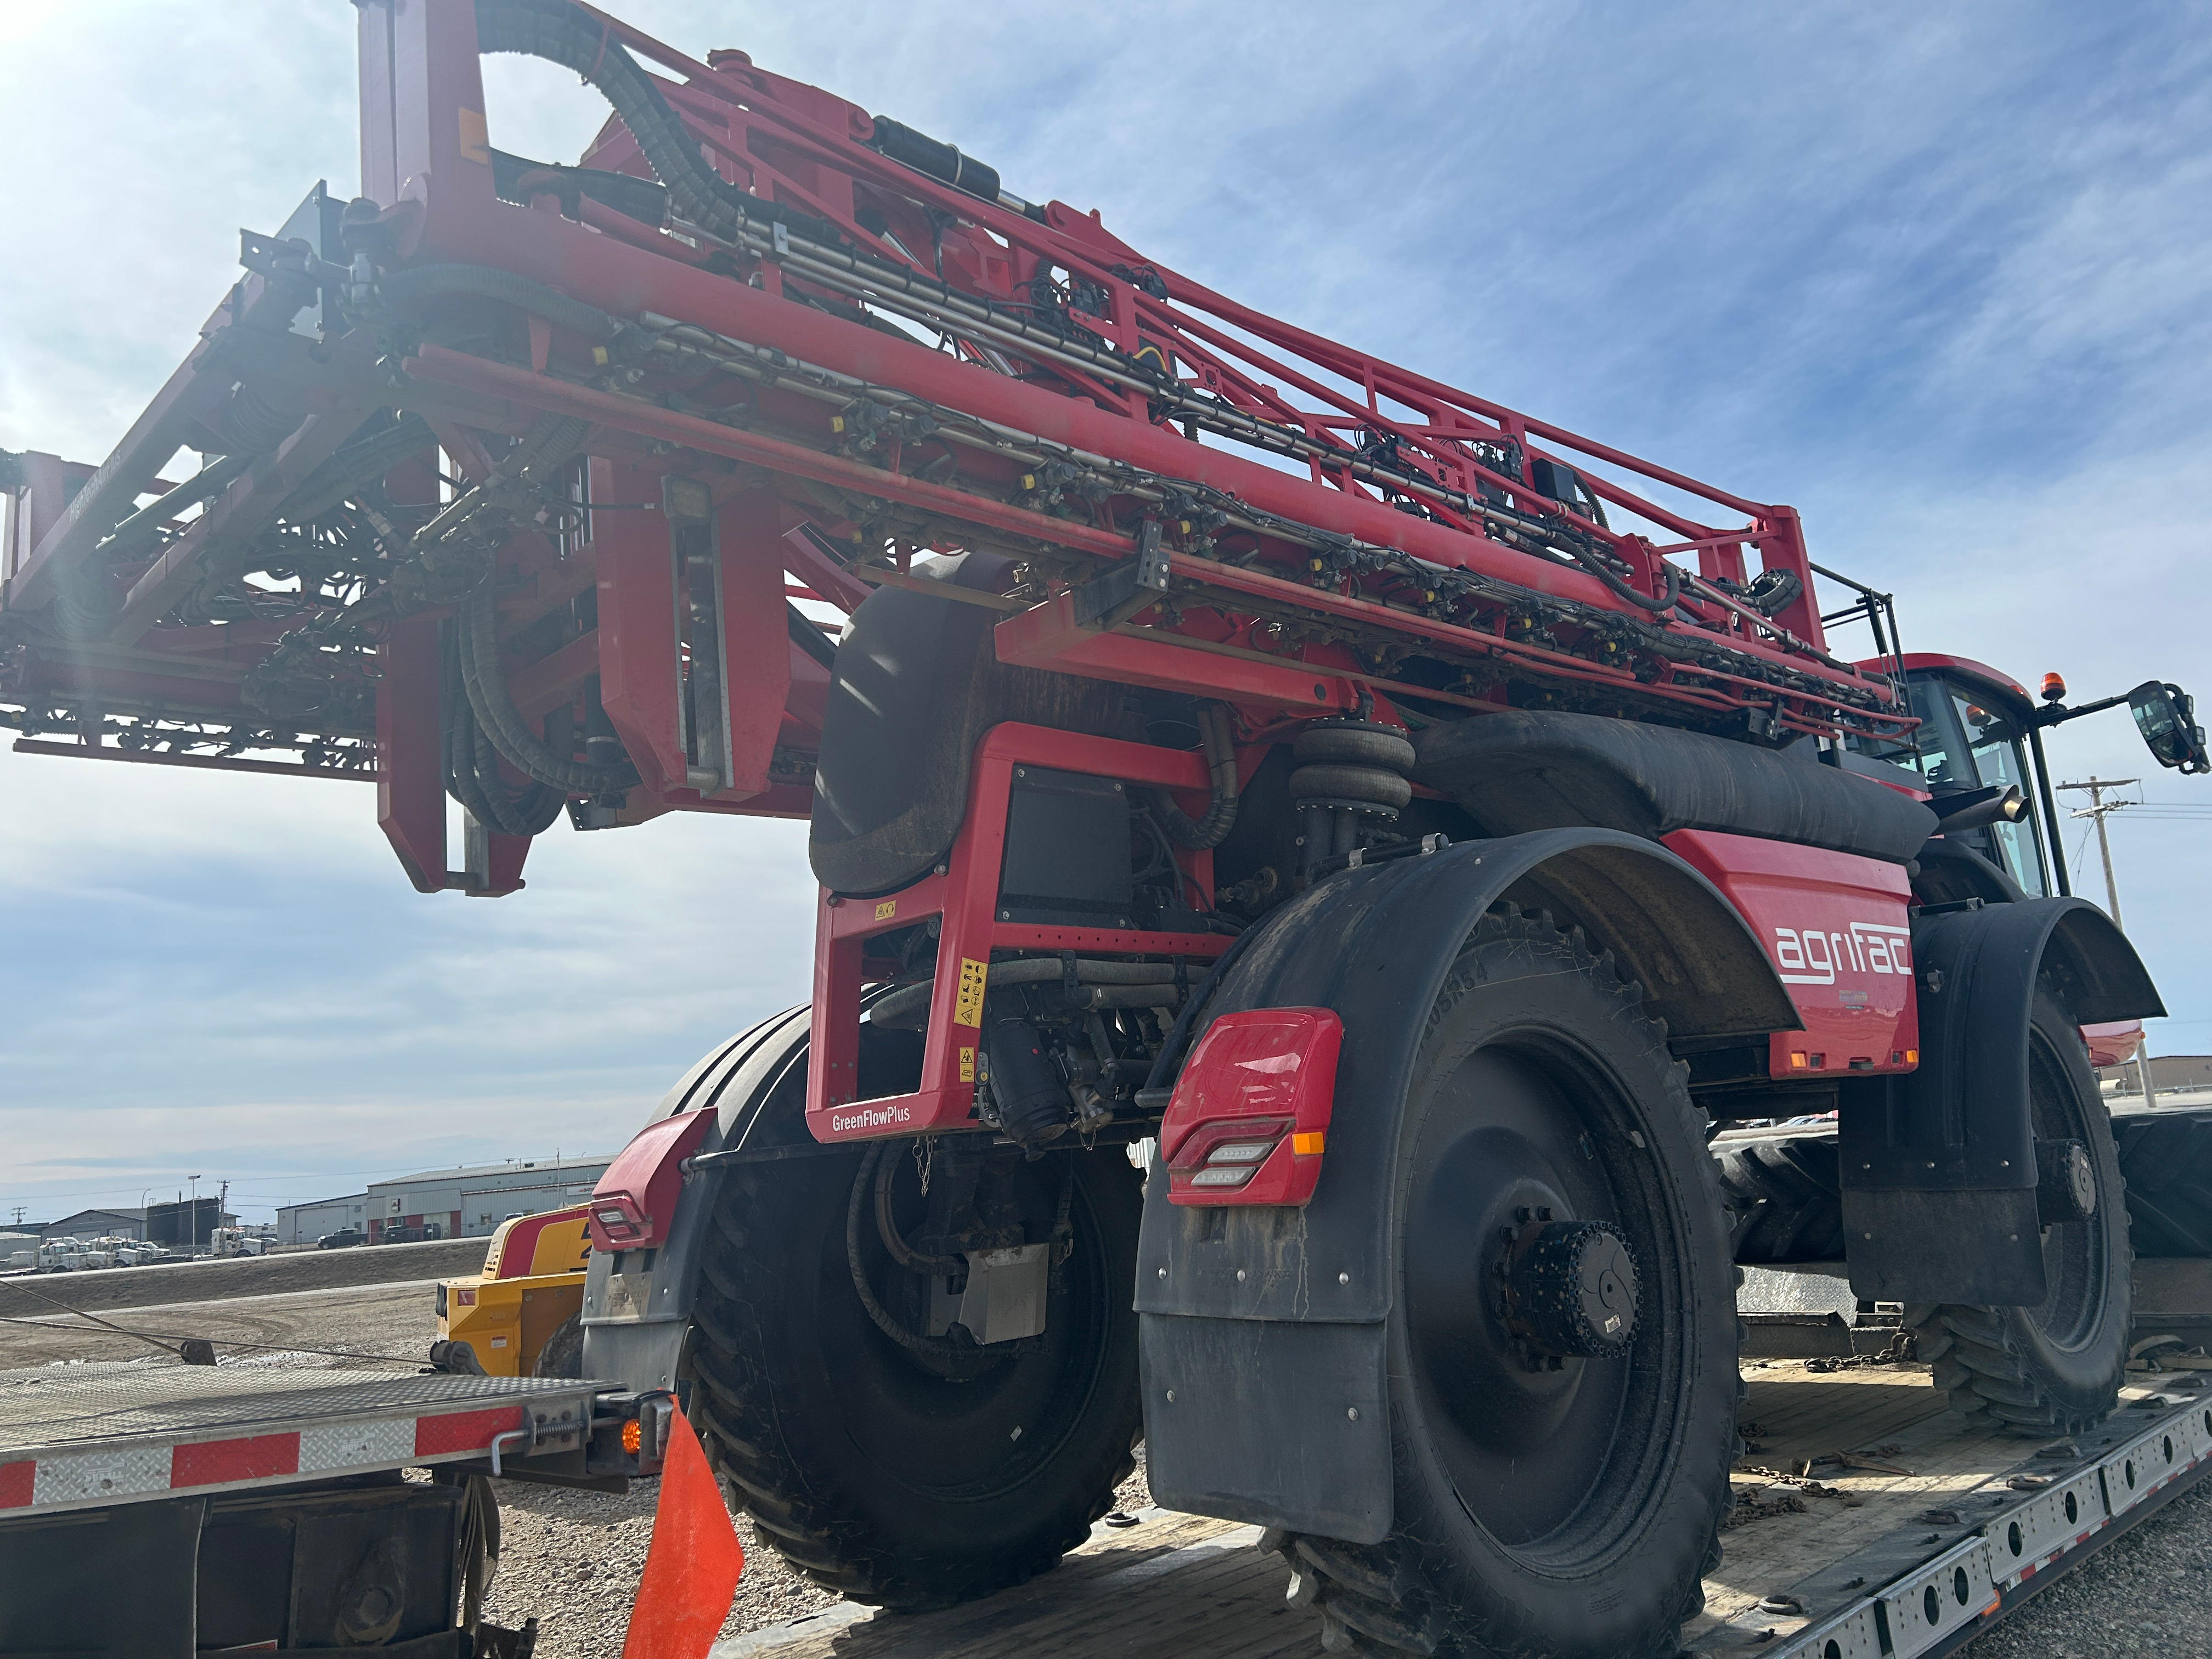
(1935, 276)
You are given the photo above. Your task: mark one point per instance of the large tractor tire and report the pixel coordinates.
(1781, 1192)
(2056, 1368)
(1780, 1187)
(2166, 1155)
(1545, 1504)
(906, 1477)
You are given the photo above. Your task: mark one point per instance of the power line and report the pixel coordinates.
(2097, 811)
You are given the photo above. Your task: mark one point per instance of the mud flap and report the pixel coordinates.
(637, 1304)
(1938, 1166)
(1268, 1322)
(1267, 1421)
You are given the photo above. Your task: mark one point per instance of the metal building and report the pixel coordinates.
(303, 1223)
(98, 1223)
(470, 1201)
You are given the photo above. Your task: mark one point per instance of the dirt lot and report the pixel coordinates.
(573, 1558)
(270, 1275)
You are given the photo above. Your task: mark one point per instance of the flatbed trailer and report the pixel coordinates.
(1909, 1562)
(269, 1511)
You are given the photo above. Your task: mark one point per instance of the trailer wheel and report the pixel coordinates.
(2055, 1368)
(884, 1473)
(1547, 1503)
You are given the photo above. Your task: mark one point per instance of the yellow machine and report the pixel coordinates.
(520, 1316)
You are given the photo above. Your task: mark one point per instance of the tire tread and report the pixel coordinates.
(1369, 1595)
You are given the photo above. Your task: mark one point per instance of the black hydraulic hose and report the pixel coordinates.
(1171, 1050)
(209, 482)
(809, 638)
(566, 34)
(1596, 567)
(887, 1229)
(935, 1347)
(1220, 737)
(486, 688)
(404, 288)
(471, 764)
(547, 443)
(337, 478)
(551, 440)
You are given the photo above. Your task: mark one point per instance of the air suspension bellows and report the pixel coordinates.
(1351, 777)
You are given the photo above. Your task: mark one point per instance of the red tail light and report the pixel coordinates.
(635, 1200)
(1248, 1120)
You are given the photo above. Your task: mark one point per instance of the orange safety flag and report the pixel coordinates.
(692, 1566)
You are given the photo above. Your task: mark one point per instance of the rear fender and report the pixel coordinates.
(637, 1304)
(1267, 1322)
(1939, 1164)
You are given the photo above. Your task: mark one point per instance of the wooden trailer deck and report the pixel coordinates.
(1922, 1496)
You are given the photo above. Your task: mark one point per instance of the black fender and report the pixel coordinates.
(1269, 1322)
(634, 1320)
(1938, 1165)
(637, 1304)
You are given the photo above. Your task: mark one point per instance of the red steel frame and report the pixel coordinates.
(791, 490)
(964, 897)
(425, 159)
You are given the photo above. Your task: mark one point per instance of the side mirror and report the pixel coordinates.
(2167, 717)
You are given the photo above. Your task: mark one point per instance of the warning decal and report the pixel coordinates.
(967, 1065)
(968, 1006)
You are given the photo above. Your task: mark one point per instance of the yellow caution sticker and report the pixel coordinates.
(967, 1065)
(968, 1006)
(886, 911)
(476, 141)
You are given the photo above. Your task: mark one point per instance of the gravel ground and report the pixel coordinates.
(378, 1320)
(573, 1558)
(2145, 1594)
(299, 1270)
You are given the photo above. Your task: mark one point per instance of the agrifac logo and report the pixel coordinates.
(1809, 957)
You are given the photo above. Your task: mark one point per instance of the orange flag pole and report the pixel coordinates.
(692, 1566)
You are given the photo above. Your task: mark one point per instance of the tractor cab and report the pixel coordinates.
(1978, 753)
(1971, 752)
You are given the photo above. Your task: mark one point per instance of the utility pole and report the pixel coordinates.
(2098, 811)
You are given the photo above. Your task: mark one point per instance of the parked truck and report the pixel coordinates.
(1417, 826)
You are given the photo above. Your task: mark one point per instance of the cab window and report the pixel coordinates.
(1934, 749)
(1993, 746)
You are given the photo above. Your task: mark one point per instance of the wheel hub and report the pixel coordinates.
(2066, 1182)
(1571, 1291)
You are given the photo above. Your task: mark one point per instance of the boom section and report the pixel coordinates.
(838, 344)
